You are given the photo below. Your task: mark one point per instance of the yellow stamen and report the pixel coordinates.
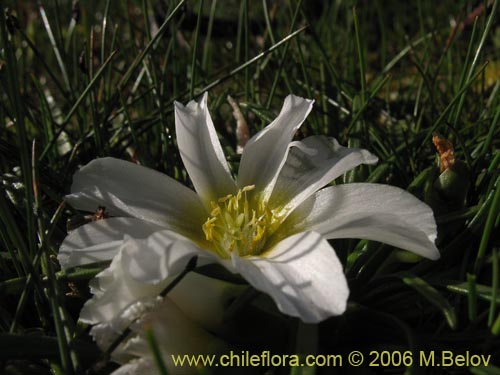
(239, 224)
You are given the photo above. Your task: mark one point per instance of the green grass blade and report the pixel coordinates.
(252, 60)
(79, 101)
(195, 50)
(434, 297)
(55, 48)
(138, 60)
(495, 284)
(155, 349)
(493, 213)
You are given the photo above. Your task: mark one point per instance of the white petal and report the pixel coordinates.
(101, 240)
(369, 211)
(201, 151)
(302, 274)
(140, 271)
(157, 257)
(139, 366)
(176, 333)
(128, 189)
(115, 293)
(205, 299)
(265, 153)
(105, 333)
(310, 165)
(164, 255)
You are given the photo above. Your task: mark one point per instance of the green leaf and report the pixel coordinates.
(484, 292)
(433, 296)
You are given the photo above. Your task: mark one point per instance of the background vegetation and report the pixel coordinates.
(94, 78)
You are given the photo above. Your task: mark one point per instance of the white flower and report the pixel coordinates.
(175, 334)
(181, 322)
(270, 225)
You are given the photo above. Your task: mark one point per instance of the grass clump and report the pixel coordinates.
(90, 79)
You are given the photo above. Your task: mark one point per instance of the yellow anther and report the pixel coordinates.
(238, 224)
(215, 211)
(224, 199)
(232, 204)
(208, 228)
(260, 233)
(248, 188)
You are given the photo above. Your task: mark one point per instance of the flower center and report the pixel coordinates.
(235, 224)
